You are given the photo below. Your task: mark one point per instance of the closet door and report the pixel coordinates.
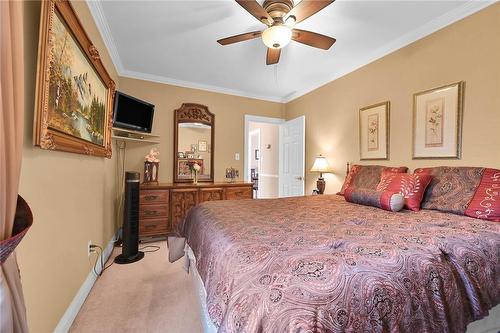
(182, 200)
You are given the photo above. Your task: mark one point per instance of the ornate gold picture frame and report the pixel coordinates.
(437, 122)
(374, 131)
(74, 92)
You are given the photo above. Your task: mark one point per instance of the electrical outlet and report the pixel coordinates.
(89, 250)
(237, 156)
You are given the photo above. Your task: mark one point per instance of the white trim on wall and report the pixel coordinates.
(74, 307)
(199, 86)
(468, 8)
(270, 175)
(103, 27)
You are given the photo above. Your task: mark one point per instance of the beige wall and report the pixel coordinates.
(229, 123)
(468, 50)
(71, 197)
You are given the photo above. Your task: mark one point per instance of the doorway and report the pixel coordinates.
(274, 161)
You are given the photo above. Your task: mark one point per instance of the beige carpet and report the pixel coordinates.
(151, 295)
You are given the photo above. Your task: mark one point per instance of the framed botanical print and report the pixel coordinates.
(374, 132)
(202, 146)
(74, 94)
(437, 122)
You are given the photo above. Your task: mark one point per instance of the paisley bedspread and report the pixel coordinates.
(320, 264)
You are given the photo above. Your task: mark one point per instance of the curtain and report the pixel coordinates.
(12, 309)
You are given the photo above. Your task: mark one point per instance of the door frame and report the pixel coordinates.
(250, 134)
(259, 119)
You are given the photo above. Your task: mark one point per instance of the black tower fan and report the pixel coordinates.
(130, 245)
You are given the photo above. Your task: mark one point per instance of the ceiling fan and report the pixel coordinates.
(280, 16)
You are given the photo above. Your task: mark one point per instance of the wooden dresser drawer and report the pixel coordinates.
(150, 227)
(152, 197)
(163, 207)
(153, 211)
(210, 194)
(236, 193)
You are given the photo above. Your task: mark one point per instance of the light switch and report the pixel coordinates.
(237, 156)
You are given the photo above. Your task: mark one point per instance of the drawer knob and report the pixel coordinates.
(150, 197)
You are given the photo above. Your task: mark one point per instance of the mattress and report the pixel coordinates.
(321, 264)
(489, 324)
(201, 293)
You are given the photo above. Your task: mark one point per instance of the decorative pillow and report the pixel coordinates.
(367, 176)
(470, 191)
(388, 200)
(485, 203)
(451, 189)
(410, 186)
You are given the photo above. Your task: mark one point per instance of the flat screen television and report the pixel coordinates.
(132, 113)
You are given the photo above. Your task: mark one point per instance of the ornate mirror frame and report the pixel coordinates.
(193, 113)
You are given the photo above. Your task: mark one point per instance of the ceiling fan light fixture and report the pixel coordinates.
(277, 36)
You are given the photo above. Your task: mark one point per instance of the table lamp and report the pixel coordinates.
(321, 165)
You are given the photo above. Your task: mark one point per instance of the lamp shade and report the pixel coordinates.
(321, 165)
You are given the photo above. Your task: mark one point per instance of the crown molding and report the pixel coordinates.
(199, 86)
(97, 12)
(102, 25)
(430, 27)
(469, 8)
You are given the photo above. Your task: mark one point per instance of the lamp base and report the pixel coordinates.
(321, 184)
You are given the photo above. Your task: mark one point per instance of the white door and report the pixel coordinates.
(292, 157)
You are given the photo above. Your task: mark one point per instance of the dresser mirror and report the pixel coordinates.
(193, 144)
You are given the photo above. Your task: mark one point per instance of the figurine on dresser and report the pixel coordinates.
(151, 166)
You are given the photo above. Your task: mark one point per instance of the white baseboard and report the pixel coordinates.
(75, 305)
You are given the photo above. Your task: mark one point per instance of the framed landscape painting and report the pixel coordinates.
(374, 132)
(437, 122)
(74, 94)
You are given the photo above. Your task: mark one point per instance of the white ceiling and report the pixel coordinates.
(175, 42)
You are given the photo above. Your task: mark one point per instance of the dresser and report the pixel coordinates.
(162, 207)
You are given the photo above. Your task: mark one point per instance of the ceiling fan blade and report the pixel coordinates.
(273, 56)
(306, 8)
(312, 39)
(256, 10)
(239, 38)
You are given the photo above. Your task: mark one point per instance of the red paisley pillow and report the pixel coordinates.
(411, 186)
(486, 201)
(367, 176)
(470, 191)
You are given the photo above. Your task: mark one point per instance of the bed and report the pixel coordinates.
(321, 264)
